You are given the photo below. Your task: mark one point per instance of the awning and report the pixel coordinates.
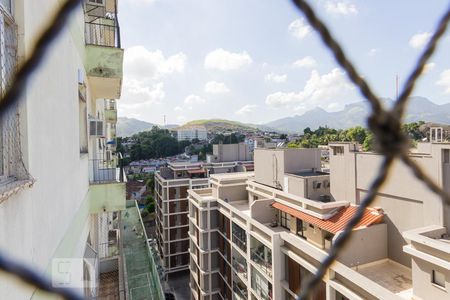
(337, 222)
(196, 171)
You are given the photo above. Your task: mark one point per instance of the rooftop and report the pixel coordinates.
(390, 275)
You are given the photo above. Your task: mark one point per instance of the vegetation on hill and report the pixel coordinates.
(325, 135)
(218, 125)
(155, 143)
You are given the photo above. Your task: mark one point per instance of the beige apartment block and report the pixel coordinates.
(260, 236)
(171, 186)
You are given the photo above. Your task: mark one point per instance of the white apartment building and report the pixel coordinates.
(190, 133)
(61, 188)
(260, 236)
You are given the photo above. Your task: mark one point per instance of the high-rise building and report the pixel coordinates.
(171, 186)
(260, 236)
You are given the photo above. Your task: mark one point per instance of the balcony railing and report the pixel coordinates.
(106, 170)
(106, 35)
(257, 255)
(241, 294)
(240, 266)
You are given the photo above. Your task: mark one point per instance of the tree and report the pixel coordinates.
(307, 130)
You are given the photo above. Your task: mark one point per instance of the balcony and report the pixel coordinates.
(107, 184)
(239, 237)
(104, 56)
(261, 255)
(110, 114)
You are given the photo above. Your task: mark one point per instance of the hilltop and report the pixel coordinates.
(218, 125)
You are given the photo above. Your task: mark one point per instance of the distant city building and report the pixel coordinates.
(188, 134)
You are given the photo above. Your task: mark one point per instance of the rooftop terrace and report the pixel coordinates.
(390, 275)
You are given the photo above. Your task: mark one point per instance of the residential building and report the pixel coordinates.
(260, 236)
(171, 191)
(62, 189)
(190, 133)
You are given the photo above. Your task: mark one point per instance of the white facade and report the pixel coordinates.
(51, 216)
(188, 134)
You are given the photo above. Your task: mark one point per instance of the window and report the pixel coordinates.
(82, 111)
(338, 150)
(285, 220)
(446, 156)
(438, 278)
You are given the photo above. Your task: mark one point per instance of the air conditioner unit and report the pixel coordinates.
(96, 128)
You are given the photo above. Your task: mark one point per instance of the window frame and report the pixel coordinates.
(436, 280)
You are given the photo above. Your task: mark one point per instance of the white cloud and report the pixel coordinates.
(246, 109)
(419, 40)
(444, 80)
(319, 90)
(428, 67)
(139, 92)
(373, 51)
(305, 62)
(214, 87)
(178, 108)
(224, 60)
(141, 63)
(276, 77)
(193, 99)
(341, 8)
(299, 29)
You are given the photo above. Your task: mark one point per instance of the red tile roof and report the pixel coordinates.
(338, 221)
(196, 171)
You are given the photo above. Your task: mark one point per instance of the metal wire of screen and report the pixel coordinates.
(385, 125)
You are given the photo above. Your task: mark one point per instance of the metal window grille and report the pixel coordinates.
(385, 125)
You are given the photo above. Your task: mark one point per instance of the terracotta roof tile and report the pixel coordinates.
(338, 221)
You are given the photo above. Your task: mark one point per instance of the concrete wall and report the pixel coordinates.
(231, 152)
(269, 167)
(422, 277)
(272, 164)
(365, 245)
(232, 193)
(262, 212)
(304, 186)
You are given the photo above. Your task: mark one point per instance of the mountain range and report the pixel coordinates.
(418, 109)
(355, 114)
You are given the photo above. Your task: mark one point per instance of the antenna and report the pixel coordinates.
(164, 121)
(396, 87)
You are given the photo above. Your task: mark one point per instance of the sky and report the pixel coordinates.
(256, 61)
